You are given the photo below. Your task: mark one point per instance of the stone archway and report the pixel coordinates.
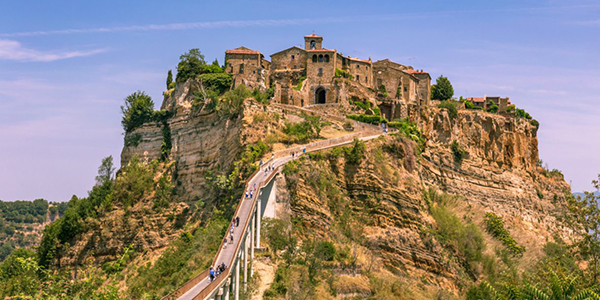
(320, 95)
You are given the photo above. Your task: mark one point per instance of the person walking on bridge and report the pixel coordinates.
(237, 221)
(211, 274)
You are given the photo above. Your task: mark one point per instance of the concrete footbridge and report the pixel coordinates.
(236, 255)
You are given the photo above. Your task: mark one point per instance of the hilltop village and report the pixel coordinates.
(305, 77)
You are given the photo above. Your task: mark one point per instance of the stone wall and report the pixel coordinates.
(290, 59)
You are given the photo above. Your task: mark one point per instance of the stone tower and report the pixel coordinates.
(313, 42)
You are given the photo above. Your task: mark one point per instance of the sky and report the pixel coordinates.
(66, 66)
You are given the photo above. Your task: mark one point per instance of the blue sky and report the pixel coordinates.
(65, 67)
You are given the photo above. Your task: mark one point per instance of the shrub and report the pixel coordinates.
(458, 151)
(492, 108)
(450, 107)
(343, 74)
(132, 140)
(325, 250)
(303, 131)
(299, 85)
(218, 82)
(495, 227)
(354, 154)
(371, 119)
(137, 110)
(410, 130)
(535, 123)
(442, 90)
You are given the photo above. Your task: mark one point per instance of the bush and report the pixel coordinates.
(442, 90)
(137, 110)
(169, 79)
(325, 250)
(495, 227)
(492, 108)
(343, 74)
(354, 154)
(410, 130)
(371, 119)
(299, 85)
(303, 131)
(535, 123)
(450, 107)
(218, 82)
(458, 151)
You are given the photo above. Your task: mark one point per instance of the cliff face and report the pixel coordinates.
(378, 204)
(200, 142)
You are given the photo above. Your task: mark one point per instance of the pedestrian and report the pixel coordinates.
(237, 221)
(246, 195)
(303, 150)
(211, 274)
(224, 243)
(231, 237)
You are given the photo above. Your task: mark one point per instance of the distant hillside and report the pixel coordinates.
(21, 222)
(581, 194)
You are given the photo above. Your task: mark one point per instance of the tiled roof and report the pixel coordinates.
(412, 71)
(313, 35)
(476, 99)
(358, 59)
(242, 50)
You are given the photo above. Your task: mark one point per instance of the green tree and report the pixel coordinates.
(169, 79)
(585, 221)
(493, 107)
(190, 65)
(137, 110)
(105, 171)
(442, 90)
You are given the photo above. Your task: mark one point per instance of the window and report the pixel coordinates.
(241, 68)
(406, 89)
(314, 58)
(313, 45)
(320, 57)
(320, 72)
(295, 67)
(357, 77)
(292, 57)
(358, 66)
(326, 57)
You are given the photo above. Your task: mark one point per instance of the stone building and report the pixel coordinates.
(485, 101)
(312, 75)
(249, 67)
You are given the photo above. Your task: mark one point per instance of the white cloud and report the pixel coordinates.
(13, 50)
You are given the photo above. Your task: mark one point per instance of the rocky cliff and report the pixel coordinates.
(378, 207)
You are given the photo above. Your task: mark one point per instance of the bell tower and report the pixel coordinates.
(313, 42)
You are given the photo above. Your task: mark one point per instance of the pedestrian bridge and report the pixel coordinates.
(246, 236)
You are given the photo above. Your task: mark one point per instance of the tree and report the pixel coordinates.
(585, 221)
(493, 107)
(105, 171)
(442, 89)
(137, 110)
(190, 65)
(169, 79)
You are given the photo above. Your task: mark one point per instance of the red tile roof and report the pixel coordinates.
(358, 59)
(313, 35)
(412, 71)
(476, 99)
(242, 50)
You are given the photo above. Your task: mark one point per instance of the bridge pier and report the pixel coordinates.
(227, 287)
(236, 285)
(245, 257)
(258, 217)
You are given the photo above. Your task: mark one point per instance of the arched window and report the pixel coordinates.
(314, 58)
(326, 57)
(292, 57)
(320, 57)
(313, 45)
